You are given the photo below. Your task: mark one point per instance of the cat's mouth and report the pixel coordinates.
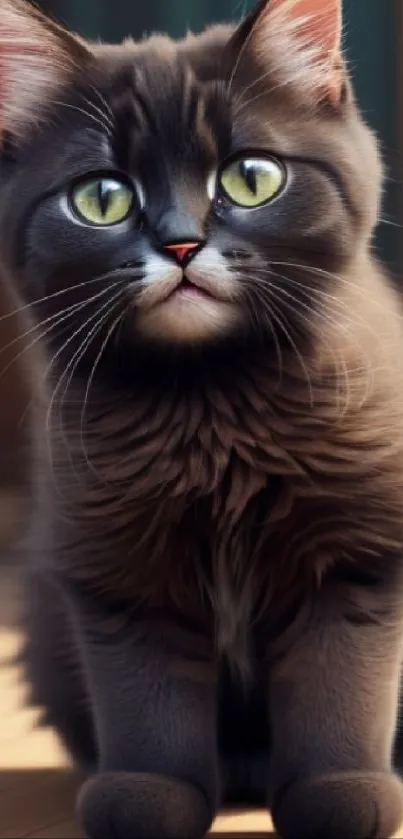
(195, 285)
(186, 305)
(188, 288)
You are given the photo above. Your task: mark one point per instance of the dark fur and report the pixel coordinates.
(216, 574)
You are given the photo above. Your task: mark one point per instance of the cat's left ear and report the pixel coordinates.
(301, 40)
(37, 58)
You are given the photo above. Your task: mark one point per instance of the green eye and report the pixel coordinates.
(103, 201)
(250, 182)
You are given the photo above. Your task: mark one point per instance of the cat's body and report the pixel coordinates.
(215, 591)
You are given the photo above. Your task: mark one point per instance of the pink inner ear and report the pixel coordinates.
(321, 25)
(320, 20)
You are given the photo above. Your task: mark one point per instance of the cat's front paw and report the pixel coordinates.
(123, 805)
(352, 805)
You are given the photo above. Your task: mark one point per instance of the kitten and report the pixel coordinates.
(215, 592)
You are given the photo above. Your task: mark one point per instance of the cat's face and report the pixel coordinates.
(183, 193)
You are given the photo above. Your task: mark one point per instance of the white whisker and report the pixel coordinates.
(338, 278)
(56, 321)
(100, 353)
(105, 115)
(105, 104)
(273, 310)
(272, 330)
(298, 354)
(96, 120)
(294, 305)
(59, 293)
(66, 370)
(240, 56)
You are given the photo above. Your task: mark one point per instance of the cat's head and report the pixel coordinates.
(183, 193)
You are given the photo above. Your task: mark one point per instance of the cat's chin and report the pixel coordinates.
(189, 315)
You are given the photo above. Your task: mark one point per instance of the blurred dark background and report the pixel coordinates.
(374, 44)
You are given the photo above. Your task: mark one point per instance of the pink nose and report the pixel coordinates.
(182, 249)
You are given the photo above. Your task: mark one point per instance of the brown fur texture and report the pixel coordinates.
(219, 517)
(332, 505)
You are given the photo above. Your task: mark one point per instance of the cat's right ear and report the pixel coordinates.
(296, 45)
(37, 58)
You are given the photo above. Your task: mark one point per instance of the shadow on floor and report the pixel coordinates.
(37, 803)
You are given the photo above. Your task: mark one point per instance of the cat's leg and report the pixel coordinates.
(53, 670)
(333, 702)
(154, 690)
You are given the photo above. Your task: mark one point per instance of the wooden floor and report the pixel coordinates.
(37, 789)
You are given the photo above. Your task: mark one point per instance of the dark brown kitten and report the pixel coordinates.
(215, 604)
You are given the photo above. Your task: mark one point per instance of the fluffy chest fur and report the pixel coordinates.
(229, 500)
